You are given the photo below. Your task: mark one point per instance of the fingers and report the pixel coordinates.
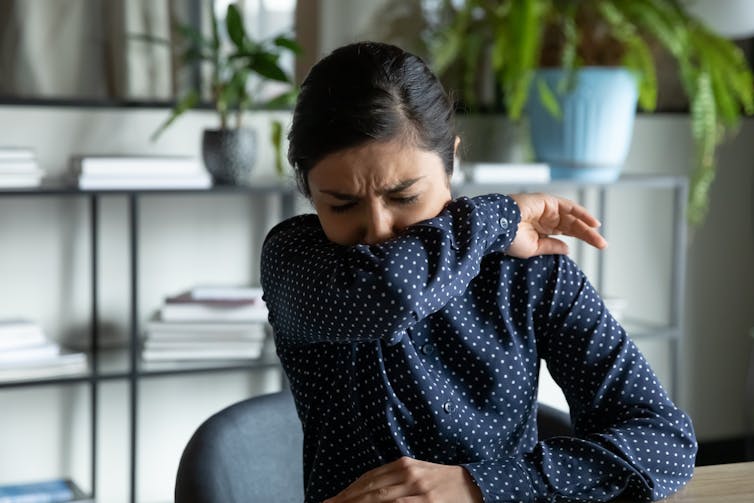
(380, 484)
(575, 209)
(410, 480)
(558, 215)
(551, 246)
(571, 225)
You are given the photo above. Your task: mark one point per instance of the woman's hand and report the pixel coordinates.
(544, 215)
(412, 480)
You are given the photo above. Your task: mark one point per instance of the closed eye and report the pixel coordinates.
(405, 200)
(340, 208)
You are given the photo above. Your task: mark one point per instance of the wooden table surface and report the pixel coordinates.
(719, 483)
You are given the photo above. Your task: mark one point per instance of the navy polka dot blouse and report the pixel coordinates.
(429, 346)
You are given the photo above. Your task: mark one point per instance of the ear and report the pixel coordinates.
(455, 145)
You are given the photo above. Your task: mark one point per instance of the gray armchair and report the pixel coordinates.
(251, 452)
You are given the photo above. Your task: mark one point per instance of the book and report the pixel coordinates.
(202, 344)
(46, 491)
(215, 304)
(114, 172)
(228, 311)
(29, 354)
(55, 366)
(16, 154)
(482, 172)
(227, 293)
(249, 352)
(19, 167)
(18, 333)
(199, 331)
(199, 180)
(135, 166)
(20, 179)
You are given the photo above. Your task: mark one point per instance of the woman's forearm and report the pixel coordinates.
(319, 291)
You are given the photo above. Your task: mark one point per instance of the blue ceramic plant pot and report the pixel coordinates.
(589, 143)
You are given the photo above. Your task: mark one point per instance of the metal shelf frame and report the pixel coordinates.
(678, 187)
(135, 372)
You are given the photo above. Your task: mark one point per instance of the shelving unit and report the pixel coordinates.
(125, 364)
(106, 365)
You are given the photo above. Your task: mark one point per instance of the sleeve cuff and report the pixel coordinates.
(501, 480)
(502, 216)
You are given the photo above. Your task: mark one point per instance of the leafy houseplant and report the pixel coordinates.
(229, 151)
(518, 37)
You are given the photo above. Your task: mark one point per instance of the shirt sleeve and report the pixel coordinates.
(316, 290)
(629, 438)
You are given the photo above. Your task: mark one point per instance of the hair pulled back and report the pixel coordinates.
(369, 91)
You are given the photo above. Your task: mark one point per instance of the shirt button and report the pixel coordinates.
(448, 407)
(504, 223)
(428, 349)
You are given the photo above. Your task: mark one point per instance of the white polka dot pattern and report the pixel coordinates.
(429, 346)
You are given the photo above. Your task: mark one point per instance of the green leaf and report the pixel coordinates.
(187, 102)
(283, 100)
(704, 131)
(524, 26)
(287, 43)
(450, 40)
(267, 66)
(276, 136)
(234, 24)
(638, 57)
(548, 99)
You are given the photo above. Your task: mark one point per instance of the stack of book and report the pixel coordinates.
(19, 168)
(215, 323)
(26, 353)
(100, 172)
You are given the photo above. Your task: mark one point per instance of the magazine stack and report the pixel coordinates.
(208, 323)
(101, 172)
(26, 353)
(19, 168)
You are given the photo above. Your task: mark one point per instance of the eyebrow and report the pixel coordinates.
(399, 187)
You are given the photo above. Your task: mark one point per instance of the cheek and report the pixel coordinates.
(338, 228)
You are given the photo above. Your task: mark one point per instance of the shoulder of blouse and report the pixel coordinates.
(306, 223)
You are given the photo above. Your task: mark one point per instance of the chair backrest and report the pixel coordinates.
(251, 452)
(248, 452)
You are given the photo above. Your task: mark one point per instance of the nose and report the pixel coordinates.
(379, 225)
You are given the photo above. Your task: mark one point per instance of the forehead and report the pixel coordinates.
(375, 165)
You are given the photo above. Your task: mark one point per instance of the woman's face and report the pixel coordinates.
(370, 193)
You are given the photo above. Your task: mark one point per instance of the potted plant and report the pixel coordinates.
(229, 151)
(552, 60)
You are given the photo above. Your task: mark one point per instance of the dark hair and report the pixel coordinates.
(369, 91)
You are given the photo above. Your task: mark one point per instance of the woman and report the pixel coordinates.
(411, 324)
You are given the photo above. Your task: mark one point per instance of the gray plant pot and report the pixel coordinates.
(229, 154)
